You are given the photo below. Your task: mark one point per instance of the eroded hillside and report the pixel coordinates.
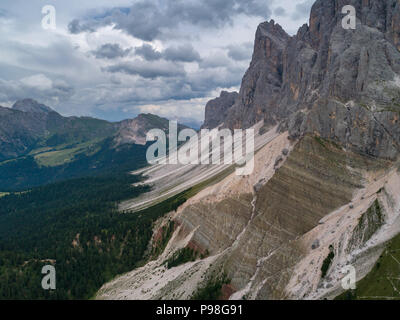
(270, 232)
(324, 193)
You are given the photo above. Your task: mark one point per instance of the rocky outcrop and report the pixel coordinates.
(261, 85)
(351, 89)
(393, 24)
(270, 231)
(21, 127)
(316, 179)
(134, 131)
(216, 109)
(30, 105)
(341, 84)
(370, 222)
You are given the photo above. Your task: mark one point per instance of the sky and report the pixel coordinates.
(116, 59)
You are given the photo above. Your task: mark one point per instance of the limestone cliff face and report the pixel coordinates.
(134, 131)
(262, 82)
(216, 109)
(271, 231)
(341, 84)
(350, 92)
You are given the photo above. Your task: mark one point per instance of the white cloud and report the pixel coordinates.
(58, 67)
(39, 81)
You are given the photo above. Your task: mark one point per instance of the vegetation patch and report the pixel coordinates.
(213, 288)
(60, 165)
(327, 262)
(213, 180)
(182, 256)
(325, 143)
(60, 156)
(161, 242)
(77, 225)
(382, 282)
(320, 141)
(368, 224)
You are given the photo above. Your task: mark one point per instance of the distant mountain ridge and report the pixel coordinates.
(29, 125)
(38, 145)
(216, 109)
(30, 105)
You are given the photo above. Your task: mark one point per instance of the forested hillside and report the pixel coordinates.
(25, 172)
(75, 226)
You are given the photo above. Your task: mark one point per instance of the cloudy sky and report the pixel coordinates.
(115, 59)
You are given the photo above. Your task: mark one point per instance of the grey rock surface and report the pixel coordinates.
(343, 85)
(261, 85)
(216, 109)
(30, 105)
(315, 244)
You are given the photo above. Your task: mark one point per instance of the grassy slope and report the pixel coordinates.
(383, 281)
(24, 173)
(78, 130)
(49, 157)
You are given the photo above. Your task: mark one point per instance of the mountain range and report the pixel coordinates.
(38, 145)
(321, 204)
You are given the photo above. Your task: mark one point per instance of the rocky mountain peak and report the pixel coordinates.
(383, 15)
(134, 131)
(262, 82)
(30, 105)
(343, 85)
(270, 40)
(216, 109)
(272, 29)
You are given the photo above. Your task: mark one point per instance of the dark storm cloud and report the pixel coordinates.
(110, 51)
(58, 56)
(158, 69)
(215, 60)
(205, 81)
(160, 81)
(148, 53)
(240, 52)
(302, 9)
(74, 27)
(51, 91)
(45, 73)
(162, 76)
(280, 12)
(147, 19)
(181, 53)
